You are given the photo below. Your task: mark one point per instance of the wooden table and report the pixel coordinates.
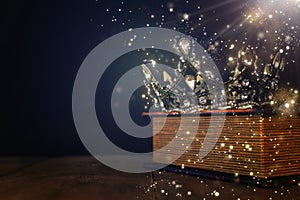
(83, 177)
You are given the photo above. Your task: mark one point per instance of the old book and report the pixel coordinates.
(249, 144)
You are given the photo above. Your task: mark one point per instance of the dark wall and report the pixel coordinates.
(43, 44)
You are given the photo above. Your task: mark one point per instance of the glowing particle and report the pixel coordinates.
(222, 145)
(230, 59)
(251, 173)
(178, 195)
(231, 46)
(162, 191)
(217, 193)
(270, 16)
(293, 102)
(231, 147)
(189, 193)
(261, 35)
(153, 62)
(185, 16)
(245, 82)
(287, 105)
(152, 16)
(171, 9)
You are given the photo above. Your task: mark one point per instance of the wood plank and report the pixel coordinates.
(13, 164)
(86, 178)
(73, 178)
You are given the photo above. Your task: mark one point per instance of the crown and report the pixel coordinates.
(186, 90)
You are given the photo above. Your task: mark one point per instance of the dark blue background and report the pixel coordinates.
(43, 44)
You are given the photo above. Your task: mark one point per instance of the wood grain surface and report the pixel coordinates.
(83, 177)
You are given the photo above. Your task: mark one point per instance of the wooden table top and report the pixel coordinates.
(83, 177)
